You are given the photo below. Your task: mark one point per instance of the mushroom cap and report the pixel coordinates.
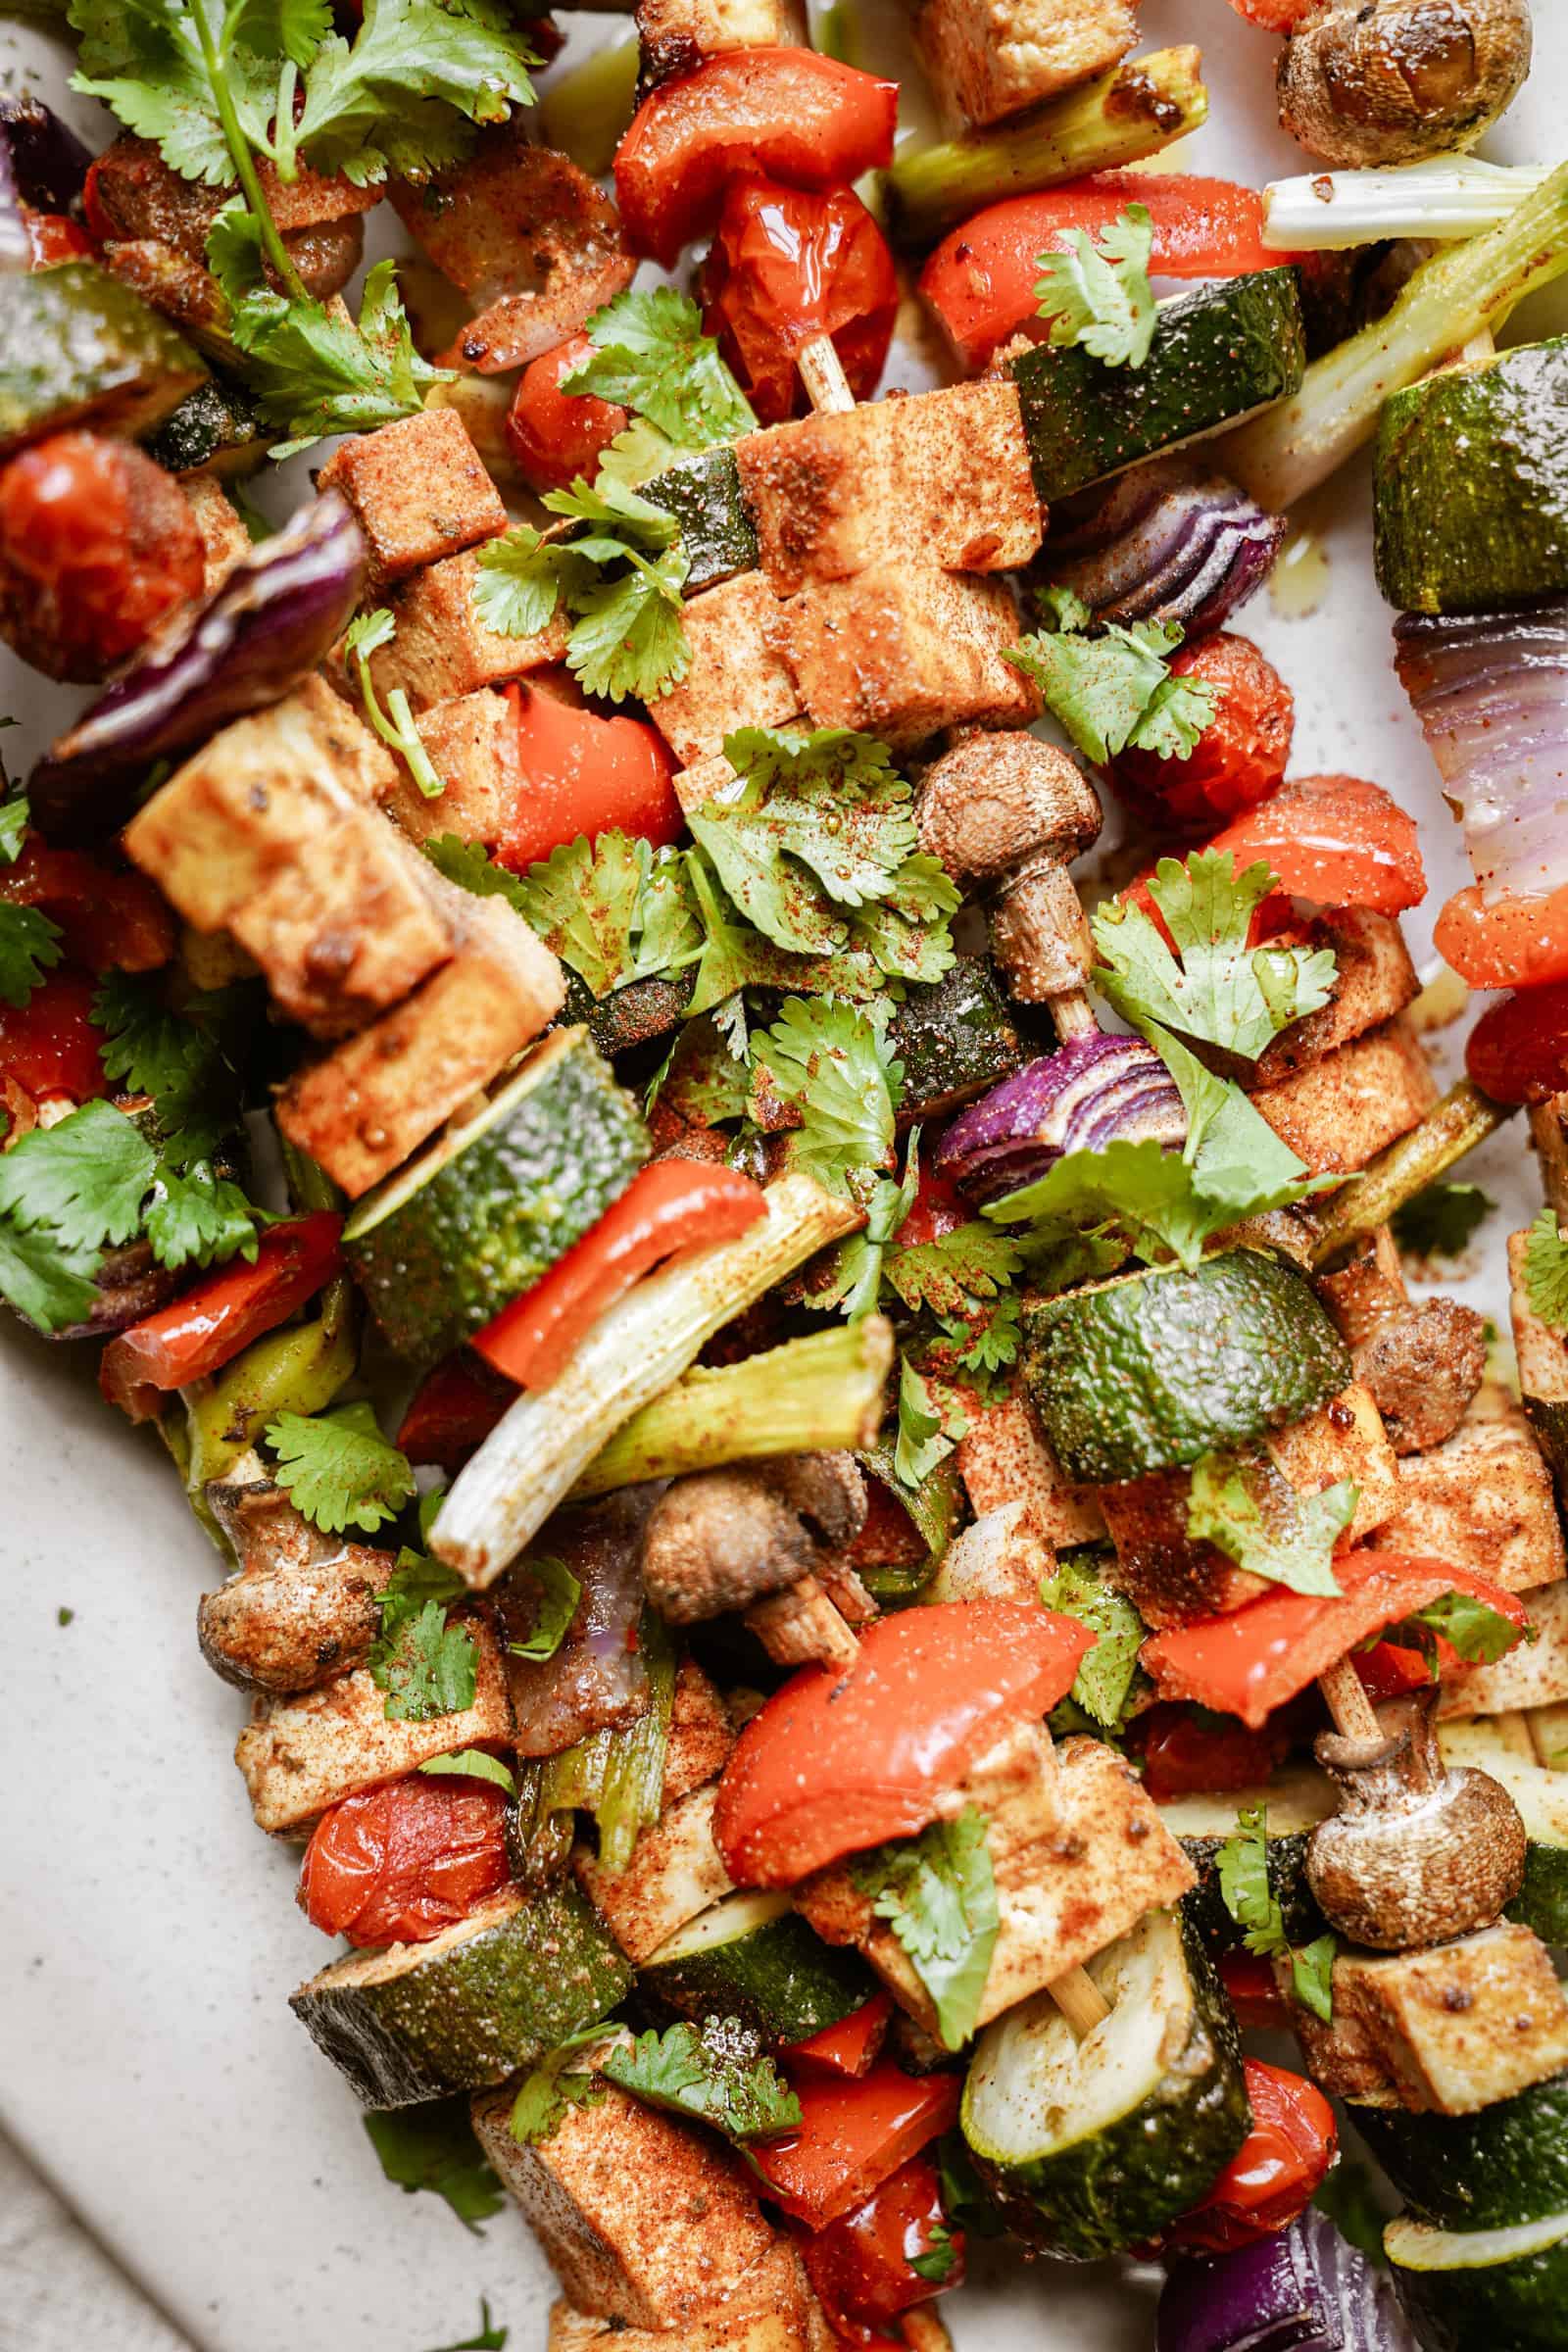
(1400, 79)
(997, 800)
(719, 1540)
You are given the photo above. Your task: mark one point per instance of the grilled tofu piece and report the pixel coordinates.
(248, 806)
(1447, 2031)
(1532, 1674)
(419, 490)
(772, 2309)
(303, 1753)
(442, 649)
(999, 1557)
(738, 675)
(989, 58)
(1004, 1458)
(366, 1107)
(674, 1873)
(474, 748)
(1375, 980)
(939, 478)
(701, 1734)
(903, 649)
(700, 782)
(675, 35)
(301, 1605)
(1483, 1499)
(225, 538)
(643, 2219)
(1337, 1111)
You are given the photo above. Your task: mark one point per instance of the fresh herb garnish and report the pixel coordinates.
(14, 819)
(432, 2147)
(614, 909)
(1547, 1271)
(556, 1592)
(1480, 1635)
(937, 1892)
(713, 2073)
(395, 725)
(473, 1764)
(554, 2086)
(1242, 1503)
(936, 2263)
(1106, 1674)
(931, 1421)
(834, 1065)
(963, 1279)
(1248, 1897)
(1442, 1220)
(29, 947)
(621, 578)
(1115, 691)
(651, 356)
(490, 2338)
(175, 1057)
(425, 1666)
(338, 1470)
(470, 865)
(1096, 294)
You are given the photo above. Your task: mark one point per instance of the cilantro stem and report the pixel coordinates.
(396, 728)
(244, 161)
(284, 156)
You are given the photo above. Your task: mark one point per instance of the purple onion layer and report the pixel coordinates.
(1166, 541)
(1307, 2289)
(1093, 1090)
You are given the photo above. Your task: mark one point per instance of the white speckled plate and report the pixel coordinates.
(148, 2060)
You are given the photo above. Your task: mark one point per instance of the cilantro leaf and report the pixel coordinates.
(175, 1058)
(651, 356)
(1312, 1975)
(363, 636)
(583, 901)
(30, 946)
(1480, 1635)
(1115, 690)
(1221, 991)
(431, 1668)
(146, 63)
(557, 1595)
(554, 2086)
(472, 1763)
(1107, 1673)
(957, 1273)
(198, 1218)
(937, 1892)
(86, 1178)
(489, 2338)
(50, 1282)
(1242, 1503)
(1442, 1220)
(713, 2073)
(835, 1066)
(936, 2263)
(399, 98)
(931, 1421)
(1248, 1898)
(520, 578)
(1547, 1271)
(628, 637)
(14, 819)
(432, 2147)
(472, 867)
(1097, 295)
(416, 1581)
(338, 1469)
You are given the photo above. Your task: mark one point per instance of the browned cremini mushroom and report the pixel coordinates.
(1417, 1853)
(763, 1537)
(302, 1607)
(1422, 1361)
(1393, 80)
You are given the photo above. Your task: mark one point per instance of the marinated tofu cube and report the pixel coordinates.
(419, 490)
(248, 804)
(1336, 1112)
(677, 35)
(1483, 1499)
(302, 1753)
(1344, 1438)
(999, 1557)
(1374, 980)
(225, 538)
(363, 1110)
(1462, 2026)
(1004, 1457)
(1532, 1674)
(474, 748)
(704, 780)
(643, 2219)
(701, 1734)
(674, 1873)
(903, 649)
(737, 676)
(989, 58)
(442, 649)
(772, 2309)
(941, 478)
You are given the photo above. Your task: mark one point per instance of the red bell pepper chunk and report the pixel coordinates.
(452, 1411)
(207, 1328)
(1387, 1670)
(1518, 1050)
(399, 1864)
(554, 435)
(108, 921)
(786, 267)
(1252, 1990)
(1335, 839)
(980, 281)
(586, 774)
(49, 1046)
(1183, 1756)
(1276, 2172)
(1507, 942)
(53, 237)
(850, 2046)
(852, 2135)
(862, 2265)
(673, 1204)
(931, 1689)
(1252, 1660)
(788, 114)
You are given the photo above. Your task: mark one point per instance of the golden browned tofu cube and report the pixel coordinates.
(737, 676)
(419, 490)
(701, 1734)
(246, 806)
(1532, 1674)
(674, 1873)
(771, 2309)
(1004, 1457)
(1463, 2025)
(1374, 980)
(988, 59)
(941, 478)
(472, 743)
(1336, 1112)
(642, 2219)
(363, 1110)
(351, 928)
(302, 1753)
(999, 1557)
(442, 649)
(903, 649)
(225, 538)
(1483, 1499)
(677, 35)
(698, 783)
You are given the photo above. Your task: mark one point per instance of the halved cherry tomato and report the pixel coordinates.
(1239, 757)
(850, 2046)
(673, 1204)
(1335, 839)
(1252, 1660)
(1276, 2172)
(399, 1864)
(1252, 1990)
(109, 922)
(852, 2135)
(1183, 1756)
(452, 1411)
(931, 1691)
(788, 114)
(1518, 1050)
(205, 1329)
(862, 2265)
(787, 265)
(586, 774)
(1507, 942)
(557, 436)
(1389, 1671)
(49, 1046)
(53, 237)
(980, 281)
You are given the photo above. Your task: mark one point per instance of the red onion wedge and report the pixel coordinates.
(246, 645)
(49, 164)
(1491, 690)
(1167, 541)
(1307, 2289)
(1093, 1090)
(595, 1676)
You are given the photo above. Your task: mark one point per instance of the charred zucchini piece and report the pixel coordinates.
(754, 1957)
(955, 1038)
(1294, 1802)
(703, 493)
(1505, 2289)
(1506, 2164)
(77, 347)
(214, 431)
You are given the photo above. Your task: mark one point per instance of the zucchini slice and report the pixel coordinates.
(1296, 1800)
(1152, 1370)
(1470, 492)
(77, 347)
(1542, 1796)
(214, 431)
(495, 1992)
(955, 1038)
(704, 495)
(486, 1208)
(754, 1957)
(1502, 2166)
(1502, 2289)
(1219, 354)
(1092, 2146)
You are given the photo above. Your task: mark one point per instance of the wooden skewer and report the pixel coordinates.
(827, 387)
(1080, 2000)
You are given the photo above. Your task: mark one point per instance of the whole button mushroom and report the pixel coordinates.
(1392, 82)
(766, 1538)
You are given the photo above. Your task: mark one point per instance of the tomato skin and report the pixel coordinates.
(852, 2135)
(49, 1046)
(980, 281)
(1275, 15)
(96, 545)
(1335, 839)
(53, 237)
(1518, 1050)
(586, 774)
(938, 1207)
(1507, 942)
(1182, 1758)
(452, 1413)
(1242, 754)
(670, 1205)
(850, 2046)
(932, 1689)
(862, 2265)
(1387, 1670)
(790, 114)
(400, 1863)
(557, 436)
(787, 265)
(1275, 2173)
(109, 922)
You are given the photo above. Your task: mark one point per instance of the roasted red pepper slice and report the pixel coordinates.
(108, 921)
(49, 1046)
(53, 237)
(1505, 942)
(554, 435)
(785, 266)
(850, 2046)
(207, 1328)
(1239, 757)
(452, 1411)
(1518, 1050)
(1276, 2172)
(1335, 839)
(586, 774)
(399, 1864)
(1252, 1990)
(672, 1206)
(852, 2135)
(862, 2265)
(1387, 1670)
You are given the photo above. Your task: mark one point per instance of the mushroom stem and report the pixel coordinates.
(1548, 1132)
(827, 387)
(1071, 1013)
(1080, 2000)
(1354, 1716)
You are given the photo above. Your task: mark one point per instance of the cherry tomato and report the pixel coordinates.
(1182, 1756)
(1518, 1050)
(53, 237)
(452, 1411)
(399, 1864)
(557, 436)
(1241, 757)
(1276, 2172)
(586, 774)
(931, 1691)
(109, 922)
(790, 114)
(1505, 942)
(850, 2046)
(862, 2265)
(852, 2135)
(49, 1046)
(785, 266)
(96, 545)
(1252, 1990)
(672, 1206)
(1335, 839)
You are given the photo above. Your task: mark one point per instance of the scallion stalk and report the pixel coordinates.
(1463, 1118)
(1448, 196)
(618, 1774)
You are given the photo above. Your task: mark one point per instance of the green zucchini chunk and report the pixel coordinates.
(496, 1992)
(77, 347)
(214, 431)
(1542, 1796)
(1296, 1800)
(755, 1958)
(1483, 2290)
(1548, 1418)
(1505, 2165)
(703, 493)
(629, 1017)
(485, 1209)
(1153, 1370)
(1218, 354)
(1090, 2147)
(955, 1038)
(1470, 491)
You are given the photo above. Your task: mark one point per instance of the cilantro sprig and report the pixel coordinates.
(620, 577)
(650, 355)
(338, 1470)
(1242, 1503)
(365, 636)
(427, 1666)
(1097, 293)
(937, 1892)
(1107, 1675)
(833, 1064)
(1547, 1271)
(1115, 690)
(432, 2147)
(1250, 1900)
(714, 2074)
(30, 943)
(555, 2085)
